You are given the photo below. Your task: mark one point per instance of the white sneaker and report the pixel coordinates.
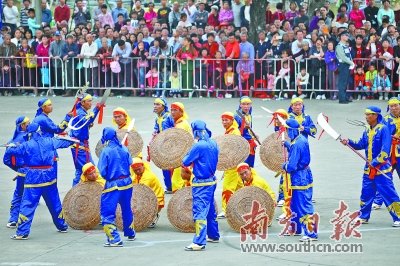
(364, 98)
(294, 96)
(195, 247)
(396, 224)
(307, 239)
(228, 96)
(280, 203)
(376, 206)
(303, 96)
(386, 98)
(358, 97)
(380, 98)
(360, 220)
(318, 97)
(221, 215)
(323, 97)
(285, 95)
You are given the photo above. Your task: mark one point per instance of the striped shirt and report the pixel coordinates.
(24, 17)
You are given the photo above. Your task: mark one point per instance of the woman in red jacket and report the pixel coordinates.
(42, 55)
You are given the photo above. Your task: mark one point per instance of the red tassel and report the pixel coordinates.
(100, 120)
(13, 161)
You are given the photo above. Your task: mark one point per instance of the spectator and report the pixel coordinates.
(11, 14)
(163, 12)
(302, 83)
(55, 53)
(47, 16)
(69, 52)
(370, 79)
(216, 70)
(359, 53)
(359, 83)
(297, 45)
(246, 47)
(301, 18)
(292, 13)
(105, 53)
(147, 37)
(119, 9)
(81, 15)
(211, 45)
(331, 63)
(201, 72)
(138, 9)
(324, 15)
(236, 7)
(356, 15)
(185, 56)
(213, 17)
(330, 13)
(382, 85)
(385, 10)
(174, 16)
(386, 56)
(232, 48)
(184, 22)
(201, 16)
(42, 54)
(371, 14)
(245, 71)
(189, 9)
(88, 52)
(225, 16)
(141, 63)
(262, 49)
(121, 53)
(317, 68)
(62, 13)
(373, 47)
(97, 10)
(105, 17)
(341, 21)
(149, 16)
(279, 14)
(245, 14)
(29, 37)
(24, 14)
(28, 78)
(120, 23)
(17, 39)
(314, 20)
(152, 77)
(342, 10)
(7, 62)
(391, 35)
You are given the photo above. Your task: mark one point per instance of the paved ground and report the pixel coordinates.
(337, 174)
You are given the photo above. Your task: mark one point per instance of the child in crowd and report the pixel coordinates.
(215, 73)
(176, 90)
(134, 20)
(152, 80)
(382, 85)
(359, 83)
(369, 80)
(283, 77)
(229, 78)
(301, 82)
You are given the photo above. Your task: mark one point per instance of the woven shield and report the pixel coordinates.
(241, 203)
(179, 210)
(81, 206)
(233, 150)
(144, 206)
(271, 152)
(134, 145)
(169, 147)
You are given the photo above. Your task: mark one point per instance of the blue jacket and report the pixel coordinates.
(46, 16)
(383, 82)
(305, 120)
(70, 48)
(297, 165)
(204, 156)
(114, 162)
(163, 122)
(377, 142)
(39, 152)
(86, 116)
(47, 126)
(246, 133)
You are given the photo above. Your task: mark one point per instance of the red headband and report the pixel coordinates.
(90, 169)
(119, 113)
(243, 166)
(227, 117)
(136, 165)
(175, 106)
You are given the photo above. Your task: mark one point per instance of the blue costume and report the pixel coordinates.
(80, 151)
(114, 163)
(301, 180)
(47, 126)
(16, 163)
(245, 132)
(303, 119)
(204, 157)
(163, 122)
(377, 142)
(38, 155)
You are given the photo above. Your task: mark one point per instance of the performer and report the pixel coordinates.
(250, 177)
(301, 179)
(232, 181)
(163, 122)
(40, 180)
(204, 157)
(245, 108)
(114, 165)
(142, 174)
(83, 121)
(47, 126)
(180, 121)
(296, 111)
(376, 140)
(16, 163)
(90, 173)
(392, 121)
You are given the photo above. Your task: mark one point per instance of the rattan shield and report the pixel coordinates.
(81, 206)
(135, 142)
(179, 210)
(169, 147)
(271, 152)
(144, 206)
(241, 202)
(233, 150)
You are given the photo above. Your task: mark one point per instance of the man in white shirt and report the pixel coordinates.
(121, 53)
(298, 44)
(89, 50)
(11, 15)
(190, 9)
(236, 5)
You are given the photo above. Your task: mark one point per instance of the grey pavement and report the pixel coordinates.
(337, 176)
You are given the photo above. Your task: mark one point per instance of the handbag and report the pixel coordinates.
(31, 61)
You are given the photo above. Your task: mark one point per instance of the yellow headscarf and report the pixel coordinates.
(296, 100)
(230, 115)
(180, 106)
(120, 110)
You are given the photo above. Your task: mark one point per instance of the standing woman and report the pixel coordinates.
(185, 56)
(42, 55)
(28, 65)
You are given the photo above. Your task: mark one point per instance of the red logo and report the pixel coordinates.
(256, 223)
(344, 224)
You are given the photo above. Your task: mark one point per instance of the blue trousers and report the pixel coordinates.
(80, 160)
(109, 202)
(204, 214)
(303, 209)
(17, 199)
(385, 188)
(30, 200)
(280, 193)
(250, 160)
(343, 80)
(167, 179)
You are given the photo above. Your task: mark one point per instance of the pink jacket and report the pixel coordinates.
(42, 51)
(357, 16)
(225, 16)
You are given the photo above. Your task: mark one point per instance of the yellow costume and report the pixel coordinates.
(88, 168)
(232, 181)
(177, 181)
(149, 179)
(259, 182)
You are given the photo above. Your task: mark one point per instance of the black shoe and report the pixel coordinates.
(114, 245)
(344, 102)
(349, 100)
(16, 237)
(168, 191)
(12, 225)
(131, 238)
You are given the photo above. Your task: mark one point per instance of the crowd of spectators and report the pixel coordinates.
(180, 49)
